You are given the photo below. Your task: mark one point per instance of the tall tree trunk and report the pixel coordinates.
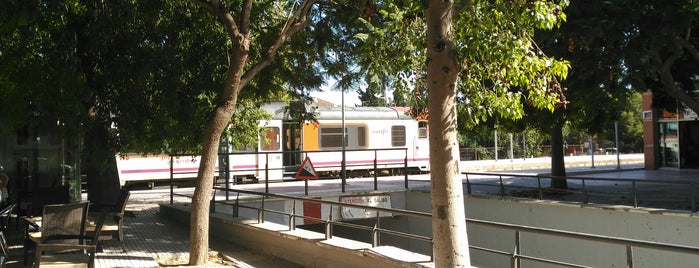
(558, 167)
(100, 166)
(199, 221)
(237, 78)
(448, 216)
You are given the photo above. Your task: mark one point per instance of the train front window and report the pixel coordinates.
(398, 136)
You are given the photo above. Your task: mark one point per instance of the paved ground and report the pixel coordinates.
(149, 238)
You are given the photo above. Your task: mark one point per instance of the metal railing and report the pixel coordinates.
(516, 256)
(374, 164)
(629, 244)
(619, 190)
(376, 230)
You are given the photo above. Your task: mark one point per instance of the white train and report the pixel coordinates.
(378, 139)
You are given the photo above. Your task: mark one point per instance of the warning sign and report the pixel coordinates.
(306, 171)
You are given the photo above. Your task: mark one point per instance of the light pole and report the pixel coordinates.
(616, 137)
(343, 168)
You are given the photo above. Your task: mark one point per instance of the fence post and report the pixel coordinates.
(502, 187)
(328, 224)
(586, 199)
(172, 181)
(375, 232)
(541, 191)
(235, 206)
(468, 185)
(266, 173)
(292, 217)
(629, 256)
(635, 196)
(376, 170)
(692, 198)
(405, 167)
(261, 212)
(515, 255)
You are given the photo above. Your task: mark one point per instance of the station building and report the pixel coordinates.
(670, 139)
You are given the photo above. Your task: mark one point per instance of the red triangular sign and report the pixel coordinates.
(306, 171)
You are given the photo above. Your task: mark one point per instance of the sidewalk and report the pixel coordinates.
(149, 238)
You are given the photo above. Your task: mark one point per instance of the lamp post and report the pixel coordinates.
(343, 168)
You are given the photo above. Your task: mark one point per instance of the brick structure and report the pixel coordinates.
(650, 132)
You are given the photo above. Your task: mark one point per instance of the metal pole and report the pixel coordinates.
(616, 134)
(524, 146)
(266, 173)
(376, 170)
(172, 179)
(343, 169)
(512, 151)
(495, 138)
(592, 151)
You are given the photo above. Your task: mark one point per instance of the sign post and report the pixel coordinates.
(306, 172)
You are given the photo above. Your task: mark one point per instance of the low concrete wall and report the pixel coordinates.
(623, 222)
(312, 250)
(305, 248)
(654, 225)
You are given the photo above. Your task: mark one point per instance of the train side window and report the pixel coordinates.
(422, 129)
(272, 141)
(361, 137)
(330, 137)
(398, 136)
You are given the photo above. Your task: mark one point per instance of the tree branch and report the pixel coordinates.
(294, 24)
(671, 87)
(690, 48)
(245, 22)
(216, 8)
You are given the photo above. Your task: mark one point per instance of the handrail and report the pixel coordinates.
(633, 190)
(516, 254)
(264, 167)
(375, 230)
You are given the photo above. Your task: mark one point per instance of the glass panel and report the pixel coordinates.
(398, 136)
(669, 145)
(330, 137)
(422, 129)
(272, 136)
(361, 137)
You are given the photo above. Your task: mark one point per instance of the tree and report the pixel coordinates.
(448, 220)
(487, 57)
(105, 64)
(614, 48)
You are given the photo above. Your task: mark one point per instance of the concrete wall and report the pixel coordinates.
(622, 222)
(309, 249)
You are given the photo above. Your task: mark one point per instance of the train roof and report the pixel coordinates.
(335, 112)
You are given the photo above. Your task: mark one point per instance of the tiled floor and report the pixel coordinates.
(148, 238)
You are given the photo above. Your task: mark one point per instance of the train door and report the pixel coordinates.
(292, 144)
(269, 158)
(421, 150)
